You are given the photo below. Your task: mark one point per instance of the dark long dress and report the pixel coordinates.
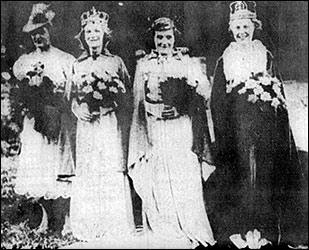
(258, 183)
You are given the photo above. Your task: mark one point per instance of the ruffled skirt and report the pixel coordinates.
(38, 166)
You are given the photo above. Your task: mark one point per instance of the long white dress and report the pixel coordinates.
(166, 172)
(101, 200)
(39, 160)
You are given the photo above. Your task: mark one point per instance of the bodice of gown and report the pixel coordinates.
(240, 64)
(56, 65)
(103, 67)
(179, 73)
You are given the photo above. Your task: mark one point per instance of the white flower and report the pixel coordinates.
(101, 85)
(97, 95)
(254, 241)
(113, 89)
(275, 102)
(277, 89)
(242, 91)
(265, 81)
(104, 75)
(258, 90)
(14, 127)
(265, 96)
(87, 89)
(120, 85)
(49, 15)
(6, 76)
(250, 84)
(252, 98)
(5, 107)
(89, 78)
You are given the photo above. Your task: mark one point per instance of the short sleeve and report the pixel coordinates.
(21, 67)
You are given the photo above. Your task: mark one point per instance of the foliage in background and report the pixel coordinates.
(16, 234)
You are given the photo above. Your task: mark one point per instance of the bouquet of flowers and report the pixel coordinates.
(177, 93)
(262, 87)
(38, 96)
(99, 91)
(39, 89)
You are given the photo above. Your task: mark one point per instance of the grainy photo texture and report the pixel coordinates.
(154, 124)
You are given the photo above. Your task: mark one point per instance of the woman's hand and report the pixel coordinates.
(203, 89)
(36, 80)
(81, 111)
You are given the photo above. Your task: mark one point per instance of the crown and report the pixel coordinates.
(240, 10)
(162, 23)
(94, 16)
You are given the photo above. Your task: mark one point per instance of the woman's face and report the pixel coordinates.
(243, 30)
(94, 35)
(164, 41)
(40, 37)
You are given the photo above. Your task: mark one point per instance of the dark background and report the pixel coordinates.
(204, 27)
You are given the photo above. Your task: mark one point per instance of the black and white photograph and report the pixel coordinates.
(154, 125)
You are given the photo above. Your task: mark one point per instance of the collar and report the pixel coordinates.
(85, 55)
(154, 54)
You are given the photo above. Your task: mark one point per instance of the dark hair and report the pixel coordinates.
(150, 40)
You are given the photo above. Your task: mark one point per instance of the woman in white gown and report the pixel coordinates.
(169, 142)
(101, 200)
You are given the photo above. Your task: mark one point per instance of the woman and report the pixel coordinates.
(258, 182)
(169, 141)
(100, 201)
(42, 76)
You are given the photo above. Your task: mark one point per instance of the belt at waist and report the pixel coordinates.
(161, 111)
(104, 111)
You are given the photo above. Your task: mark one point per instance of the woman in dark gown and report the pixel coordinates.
(259, 197)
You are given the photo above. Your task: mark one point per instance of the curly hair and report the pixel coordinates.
(257, 24)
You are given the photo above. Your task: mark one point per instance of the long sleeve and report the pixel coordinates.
(218, 107)
(201, 135)
(20, 67)
(125, 106)
(138, 138)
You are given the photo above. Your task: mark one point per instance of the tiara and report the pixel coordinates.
(163, 23)
(239, 10)
(94, 16)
